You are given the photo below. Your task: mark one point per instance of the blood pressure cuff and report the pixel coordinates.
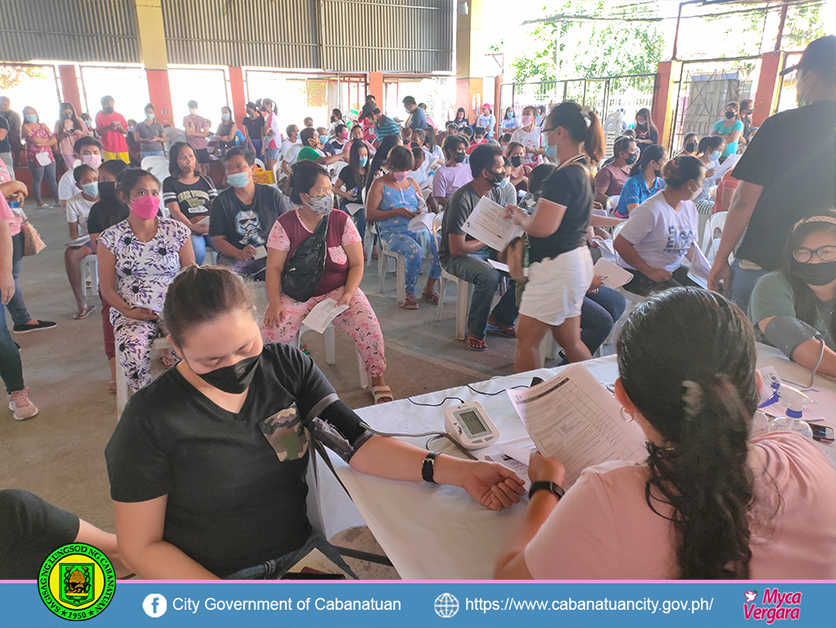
(337, 426)
(787, 333)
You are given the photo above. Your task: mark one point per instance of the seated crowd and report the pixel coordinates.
(713, 499)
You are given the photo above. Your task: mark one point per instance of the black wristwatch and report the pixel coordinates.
(428, 468)
(551, 487)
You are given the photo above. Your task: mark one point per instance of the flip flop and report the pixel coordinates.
(475, 343)
(432, 297)
(382, 392)
(410, 303)
(499, 330)
(84, 313)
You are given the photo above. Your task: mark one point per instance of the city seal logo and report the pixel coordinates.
(76, 582)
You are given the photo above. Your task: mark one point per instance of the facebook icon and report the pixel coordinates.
(154, 605)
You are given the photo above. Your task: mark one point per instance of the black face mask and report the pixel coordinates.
(107, 190)
(108, 109)
(68, 114)
(234, 379)
(730, 114)
(496, 178)
(516, 161)
(631, 159)
(459, 157)
(691, 147)
(658, 173)
(815, 274)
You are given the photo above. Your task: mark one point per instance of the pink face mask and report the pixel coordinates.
(526, 120)
(94, 161)
(145, 207)
(400, 176)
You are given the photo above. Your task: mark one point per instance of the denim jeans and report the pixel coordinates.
(16, 307)
(475, 269)
(275, 568)
(599, 314)
(742, 283)
(359, 219)
(11, 369)
(38, 174)
(200, 244)
(257, 147)
(151, 153)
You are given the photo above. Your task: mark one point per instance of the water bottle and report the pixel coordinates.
(792, 422)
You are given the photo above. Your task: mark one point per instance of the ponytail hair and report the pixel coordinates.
(686, 359)
(583, 126)
(654, 152)
(678, 171)
(710, 142)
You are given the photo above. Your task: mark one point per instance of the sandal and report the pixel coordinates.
(166, 361)
(432, 297)
(475, 343)
(111, 387)
(87, 311)
(382, 394)
(501, 330)
(410, 302)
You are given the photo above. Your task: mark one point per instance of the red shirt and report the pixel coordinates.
(727, 185)
(112, 141)
(473, 146)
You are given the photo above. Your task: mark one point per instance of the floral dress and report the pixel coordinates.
(33, 149)
(144, 271)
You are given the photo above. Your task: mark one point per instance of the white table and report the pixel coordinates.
(440, 532)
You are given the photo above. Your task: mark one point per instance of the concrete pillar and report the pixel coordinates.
(239, 100)
(665, 91)
(769, 86)
(69, 86)
(470, 51)
(150, 36)
(374, 88)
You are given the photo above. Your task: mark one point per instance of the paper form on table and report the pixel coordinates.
(573, 418)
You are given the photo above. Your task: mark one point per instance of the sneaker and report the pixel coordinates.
(21, 406)
(38, 326)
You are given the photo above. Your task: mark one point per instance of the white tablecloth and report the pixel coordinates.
(433, 532)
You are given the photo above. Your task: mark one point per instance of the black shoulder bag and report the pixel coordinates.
(306, 264)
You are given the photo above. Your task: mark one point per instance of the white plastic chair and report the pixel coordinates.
(123, 391)
(633, 300)
(89, 267)
(713, 233)
(260, 163)
(612, 203)
(464, 292)
(383, 255)
(330, 350)
(334, 170)
(158, 166)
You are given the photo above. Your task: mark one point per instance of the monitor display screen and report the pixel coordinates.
(472, 422)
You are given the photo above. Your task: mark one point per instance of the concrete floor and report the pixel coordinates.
(59, 455)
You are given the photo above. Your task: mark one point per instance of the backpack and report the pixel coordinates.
(306, 265)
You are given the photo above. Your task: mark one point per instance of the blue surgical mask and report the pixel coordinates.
(363, 161)
(149, 116)
(225, 116)
(238, 179)
(551, 151)
(91, 189)
(715, 155)
(323, 139)
(31, 118)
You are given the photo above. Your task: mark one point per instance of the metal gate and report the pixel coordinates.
(704, 89)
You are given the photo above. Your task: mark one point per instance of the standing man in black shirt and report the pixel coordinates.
(787, 173)
(243, 215)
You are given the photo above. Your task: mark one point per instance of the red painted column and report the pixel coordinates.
(664, 100)
(239, 100)
(159, 91)
(769, 86)
(375, 88)
(69, 86)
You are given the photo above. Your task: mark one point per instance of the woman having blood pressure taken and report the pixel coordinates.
(207, 465)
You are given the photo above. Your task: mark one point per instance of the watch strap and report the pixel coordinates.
(428, 467)
(551, 487)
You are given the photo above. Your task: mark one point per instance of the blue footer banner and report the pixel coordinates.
(77, 595)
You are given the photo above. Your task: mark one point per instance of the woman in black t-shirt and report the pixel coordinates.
(560, 269)
(350, 184)
(253, 124)
(207, 465)
(188, 197)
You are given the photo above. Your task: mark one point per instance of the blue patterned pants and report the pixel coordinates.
(406, 244)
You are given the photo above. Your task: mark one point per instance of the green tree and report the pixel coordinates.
(13, 75)
(586, 49)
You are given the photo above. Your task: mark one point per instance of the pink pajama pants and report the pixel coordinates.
(358, 321)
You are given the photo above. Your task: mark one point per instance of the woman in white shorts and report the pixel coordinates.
(560, 271)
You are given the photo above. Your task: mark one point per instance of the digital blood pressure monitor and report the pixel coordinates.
(470, 426)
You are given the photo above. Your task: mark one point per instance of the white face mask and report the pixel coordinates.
(695, 193)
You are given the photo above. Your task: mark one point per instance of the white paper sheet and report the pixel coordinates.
(421, 222)
(499, 265)
(260, 252)
(613, 276)
(607, 250)
(79, 241)
(573, 418)
(700, 267)
(487, 223)
(322, 314)
(203, 221)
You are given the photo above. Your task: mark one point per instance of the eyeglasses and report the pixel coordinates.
(824, 253)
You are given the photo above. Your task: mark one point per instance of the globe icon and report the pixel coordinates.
(446, 605)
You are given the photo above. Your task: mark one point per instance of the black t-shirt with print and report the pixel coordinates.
(235, 498)
(793, 156)
(193, 199)
(246, 224)
(571, 187)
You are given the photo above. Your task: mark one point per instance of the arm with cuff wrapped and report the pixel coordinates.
(340, 429)
(800, 342)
